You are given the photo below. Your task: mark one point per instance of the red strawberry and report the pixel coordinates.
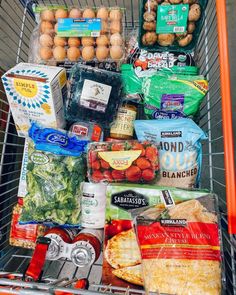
(95, 165)
(148, 175)
(104, 164)
(133, 174)
(139, 146)
(151, 153)
(143, 163)
(117, 147)
(107, 175)
(92, 156)
(118, 175)
(97, 176)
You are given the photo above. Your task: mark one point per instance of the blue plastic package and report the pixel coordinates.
(56, 141)
(180, 149)
(55, 170)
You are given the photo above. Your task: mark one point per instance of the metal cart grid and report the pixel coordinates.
(16, 24)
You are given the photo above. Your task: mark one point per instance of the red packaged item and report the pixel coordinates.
(123, 161)
(24, 235)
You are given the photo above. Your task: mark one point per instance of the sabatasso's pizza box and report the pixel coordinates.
(122, 260)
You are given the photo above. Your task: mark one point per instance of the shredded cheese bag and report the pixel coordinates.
(180, 247)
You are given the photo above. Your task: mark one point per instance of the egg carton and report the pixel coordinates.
(49, 48)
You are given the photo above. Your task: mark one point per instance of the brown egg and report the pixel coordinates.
(88, 53)
(104, 27)
(103, 40)
(56, 27)
(46, 40)
(115, 14)
(88, 13)
(73, 53)
(59, 53)
(61, 13)
(47, 15)
(60, 41)
(46, 27)
(116, 52)
(116, 39)
(75, 13)
(102, 53)
(45, 53)
(87, 41)
(74, 42)
(102, 13)
(115, 27)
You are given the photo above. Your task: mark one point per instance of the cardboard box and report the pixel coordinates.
(35, 93)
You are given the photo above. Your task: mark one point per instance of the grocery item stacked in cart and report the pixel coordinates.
(113, 152)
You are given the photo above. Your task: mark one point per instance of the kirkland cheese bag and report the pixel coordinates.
(180, 149)
(180, 246)
(174, 93)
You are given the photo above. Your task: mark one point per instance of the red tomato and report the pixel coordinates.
(113, 228)
(126, 224)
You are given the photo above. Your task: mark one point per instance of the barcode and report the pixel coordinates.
(95, 34)
(178, 29)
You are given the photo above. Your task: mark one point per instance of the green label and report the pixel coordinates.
(39, 159)
(172, 18)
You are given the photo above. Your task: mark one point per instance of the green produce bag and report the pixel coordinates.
(174, 93)
(55, 170)
(131, 82)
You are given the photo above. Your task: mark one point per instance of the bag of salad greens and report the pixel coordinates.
(174, 93)
(55, 170)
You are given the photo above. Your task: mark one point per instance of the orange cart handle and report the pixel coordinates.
(227, 115)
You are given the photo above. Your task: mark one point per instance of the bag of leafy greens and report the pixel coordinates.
(55, 170)
(174, 93)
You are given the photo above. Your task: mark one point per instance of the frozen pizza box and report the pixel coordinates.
(122, 260)
(35, 93)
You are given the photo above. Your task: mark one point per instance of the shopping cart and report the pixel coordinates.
(16, 24)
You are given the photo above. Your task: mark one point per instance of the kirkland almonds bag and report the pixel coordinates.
(180, 149)
(180, 246)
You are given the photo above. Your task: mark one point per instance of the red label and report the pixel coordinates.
(198, 241)
(80, 130)
(23, 231)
